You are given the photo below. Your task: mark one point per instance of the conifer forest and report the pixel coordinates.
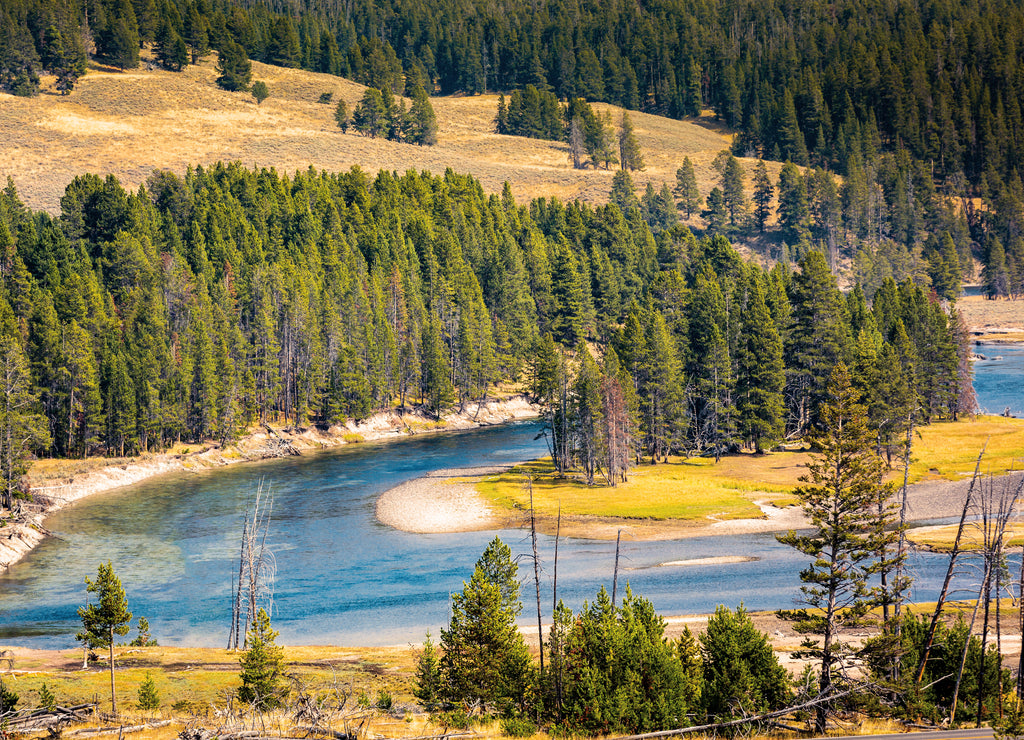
(208, 302)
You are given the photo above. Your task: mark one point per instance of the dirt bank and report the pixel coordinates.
(52, 492)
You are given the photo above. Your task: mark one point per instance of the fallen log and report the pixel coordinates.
(94, 731)
(325, 731)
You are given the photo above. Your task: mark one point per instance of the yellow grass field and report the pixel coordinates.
(130, 123)
(700, 489)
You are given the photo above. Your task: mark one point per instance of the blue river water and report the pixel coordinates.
(998, 378)
(344, 578)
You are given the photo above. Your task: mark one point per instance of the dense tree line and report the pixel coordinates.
(610, 669)
(193, 307)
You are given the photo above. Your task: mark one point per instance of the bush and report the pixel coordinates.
(457, 719)
(384, 701)
(325, 98)
(518, 727)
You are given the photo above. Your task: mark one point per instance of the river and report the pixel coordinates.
(344, 578)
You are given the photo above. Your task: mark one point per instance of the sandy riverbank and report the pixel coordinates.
(446, 501)
(53, 493)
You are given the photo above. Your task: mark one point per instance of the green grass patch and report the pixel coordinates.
(679, 489)
(699, 488)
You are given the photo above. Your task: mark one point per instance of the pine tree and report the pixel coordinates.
(623, 193)
(840, 495)
(370, 117)
(485, 659)
(119, 42)
(764, 191)
(818, 341)
(794, 209)
(233, 66)
(341, 116)
(148, 696)
(717, 213)
(733, 192)
(741, 674)
(46, 698)
(501, 125)
(686, 188)
(171, 51)
(196, 34)
(438, 392)
(263, 679)
(21, 428)
(692, 97)
(106, 618)
(601, 141)
(428, 676)
(422, 127)
(760, 373)
(630, 157)
(791, 139)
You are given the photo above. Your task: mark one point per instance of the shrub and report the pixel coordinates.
(518, 727)
(325, 98)
(384, 700)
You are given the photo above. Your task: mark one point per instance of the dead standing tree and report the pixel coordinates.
(256, 568)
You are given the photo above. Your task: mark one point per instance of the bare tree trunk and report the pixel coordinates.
(1020, 624)
(963, 654)
(536, 580)
(949, 573)
(113, 696)
(901, 546)
(615, 577)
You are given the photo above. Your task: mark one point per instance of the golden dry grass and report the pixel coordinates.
(950, 450)
(134, 122)
(999, 321)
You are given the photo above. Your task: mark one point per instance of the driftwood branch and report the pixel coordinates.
(743, 721)
(41, 718)
(94, 731)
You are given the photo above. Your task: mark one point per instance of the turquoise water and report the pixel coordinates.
(344, 578)
(998, 381)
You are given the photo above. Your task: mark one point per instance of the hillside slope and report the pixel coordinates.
(130, 123)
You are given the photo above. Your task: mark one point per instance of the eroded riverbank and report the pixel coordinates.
(51, 493)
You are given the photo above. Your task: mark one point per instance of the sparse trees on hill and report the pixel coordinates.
(630, 157)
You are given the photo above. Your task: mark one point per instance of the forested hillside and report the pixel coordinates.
(937, 85)
(196, 306)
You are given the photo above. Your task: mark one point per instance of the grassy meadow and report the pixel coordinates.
(700, 489)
